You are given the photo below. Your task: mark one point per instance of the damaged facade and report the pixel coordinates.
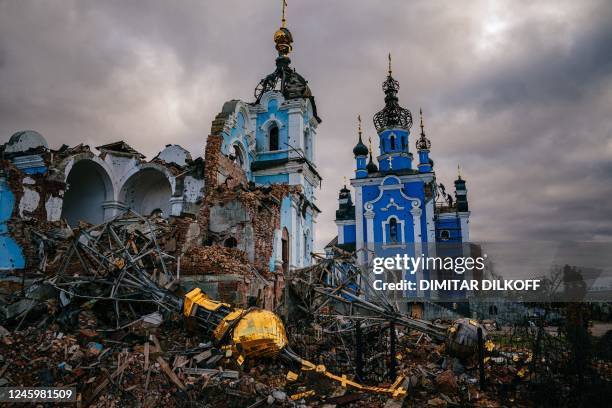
(243, 215)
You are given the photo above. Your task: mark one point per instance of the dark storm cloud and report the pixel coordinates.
(519, 93)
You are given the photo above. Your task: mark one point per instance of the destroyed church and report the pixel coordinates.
(240, 216)
(244, 215)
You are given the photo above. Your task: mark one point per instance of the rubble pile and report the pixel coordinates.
(142, 366)
(214, 260)
(114, 321)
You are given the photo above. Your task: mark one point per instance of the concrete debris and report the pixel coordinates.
(139, 314)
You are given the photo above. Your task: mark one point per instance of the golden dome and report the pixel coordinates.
(283, 40)
(259, 333)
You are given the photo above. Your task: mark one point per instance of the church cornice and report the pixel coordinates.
(289, 166)
(375, 181)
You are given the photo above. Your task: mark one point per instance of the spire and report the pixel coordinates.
(461, 192)
(360, 149)
(282, 36)
(344, 190)
(371, 167)
(423, 143)
(422, 126)
(285, 78)
(392, 115)
(346, 209)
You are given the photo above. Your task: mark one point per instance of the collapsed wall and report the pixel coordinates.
(237, 221)
(222, 228)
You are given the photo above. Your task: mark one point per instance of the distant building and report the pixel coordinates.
(399, 207)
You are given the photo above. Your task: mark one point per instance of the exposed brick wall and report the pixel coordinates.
(212, 152)
(262, 204)
(226, 182)
(217, 166)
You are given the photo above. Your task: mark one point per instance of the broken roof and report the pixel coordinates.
(120, 147)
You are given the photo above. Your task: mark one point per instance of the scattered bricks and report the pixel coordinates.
(215, 259)
(446, 382)
(437, 403)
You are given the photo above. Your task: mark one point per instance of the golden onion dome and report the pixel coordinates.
(283, 40)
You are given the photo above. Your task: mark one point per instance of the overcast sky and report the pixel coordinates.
(519, 93)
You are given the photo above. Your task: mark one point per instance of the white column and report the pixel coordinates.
(418, 239)
(340, 233)
(278, 249)
(359, 223)
(112, 208)
(176, 206)
(295, 131)
(431, 226)
(431, 242)
(313, 144)
(369, 215)
(292, 235)
(313, 232)
(465, 228)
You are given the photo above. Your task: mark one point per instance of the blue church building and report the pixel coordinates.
(399, 207)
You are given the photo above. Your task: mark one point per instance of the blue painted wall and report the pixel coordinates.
(272, 179)
(281, 117)
(11, 256)
(350, 234)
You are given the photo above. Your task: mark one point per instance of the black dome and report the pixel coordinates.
(371, 167)
(360, 149)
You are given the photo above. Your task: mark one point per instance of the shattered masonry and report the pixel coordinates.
(74, 187)
(242, 217)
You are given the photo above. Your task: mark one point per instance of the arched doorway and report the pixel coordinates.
(88, 187)
(230, 242)
(147, 191)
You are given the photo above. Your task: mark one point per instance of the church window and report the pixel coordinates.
(392, 142)
(445, 235)
(393, 234)
(273, 137)
(306, 254)
(403, 143)
(237, 156)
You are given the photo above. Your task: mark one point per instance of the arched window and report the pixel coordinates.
(403, 143)
(237, 156)
(445, 235)
(392, 142)
(308, 144)
(306, 245)
(230, 242)
(393, 235)
(273, 134)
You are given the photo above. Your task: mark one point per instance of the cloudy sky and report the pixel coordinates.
(519, 93)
